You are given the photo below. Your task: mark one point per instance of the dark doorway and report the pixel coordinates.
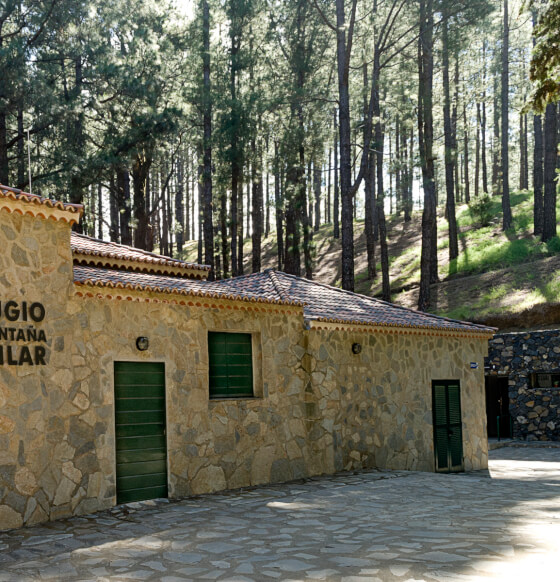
(497, 407)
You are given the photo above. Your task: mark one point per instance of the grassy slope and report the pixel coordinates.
(496, 273)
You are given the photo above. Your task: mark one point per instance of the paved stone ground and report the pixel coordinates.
(367, 527)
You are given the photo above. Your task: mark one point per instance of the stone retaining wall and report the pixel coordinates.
(535, 411)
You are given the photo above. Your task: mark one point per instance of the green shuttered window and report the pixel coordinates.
(231, 365)
(140, 431)
(448, 436)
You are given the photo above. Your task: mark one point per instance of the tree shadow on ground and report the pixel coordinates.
(376, 525)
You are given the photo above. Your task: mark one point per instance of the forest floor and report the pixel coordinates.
(507, 279)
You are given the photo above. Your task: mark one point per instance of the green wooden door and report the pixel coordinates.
(140, 431)
(448, 434)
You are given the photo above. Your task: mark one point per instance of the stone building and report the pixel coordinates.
(127, 375)
(523, 385)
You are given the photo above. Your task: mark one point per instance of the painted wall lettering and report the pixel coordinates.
(14, 311)
(17, 312)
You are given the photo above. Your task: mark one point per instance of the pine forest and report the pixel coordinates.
(234, 133)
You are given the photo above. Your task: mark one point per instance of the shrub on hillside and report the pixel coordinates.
(480, 208)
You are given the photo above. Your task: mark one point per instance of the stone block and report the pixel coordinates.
(9, 519)
(7, 425)
(64, 491)
(208, 480)
(280, 471)
(25, 481)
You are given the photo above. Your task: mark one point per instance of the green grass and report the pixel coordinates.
(481, 250)
(489, 248)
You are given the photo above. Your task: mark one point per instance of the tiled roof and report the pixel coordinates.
(109, 254)
(321, 302)
(38, 206)
(119, 279)
(331, 304)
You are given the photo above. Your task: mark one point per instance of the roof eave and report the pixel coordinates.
(319, 323)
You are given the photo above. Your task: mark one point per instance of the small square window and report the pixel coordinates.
(230, 357)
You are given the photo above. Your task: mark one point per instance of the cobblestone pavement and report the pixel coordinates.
(367, 527)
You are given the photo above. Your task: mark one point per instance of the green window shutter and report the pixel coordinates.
(231, 365)
(141, 447)
(448, 436)
(455, 428)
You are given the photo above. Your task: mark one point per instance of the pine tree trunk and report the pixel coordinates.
(477, 152)
(99, 211)
(525, 154)
(398, 167)
(187, 224)
(390, 177)
(295, 185)
(308, 235)
(149, 200)
(140, 172)
(483, 123)
(538, 175)
(207, 141)
(328, 200)
(521, 152)
(267, 219)
(317, 179)
(114, 228)
(380, 199)
(123, 189)
(278, 208)
(450, 151)
(496, 182)
(179, 206)
(409, 179)
(483, 146)
(235, 189)
(336, 203)
(454, 126)
(309, 194)
(347, 215)
(236, 163)
(169, 208)
(200, 194)
(550, 161)
(466, 154)
(4, 165)
(76, 141)
(155, 205)
(257, 208)
(248, 205)
(506, 207)
(164, 216)
(425, 134)
(369, 194)
(240, 231)
(294, 207)
(21, 150)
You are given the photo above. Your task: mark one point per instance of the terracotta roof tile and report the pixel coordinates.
(118, 279)
(321, 302)
(92, 247)
(330, 304)
(68, 212)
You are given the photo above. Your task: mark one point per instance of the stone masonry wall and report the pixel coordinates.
(317, 409)
(37, 460)
(378, 404)
(535, 412)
